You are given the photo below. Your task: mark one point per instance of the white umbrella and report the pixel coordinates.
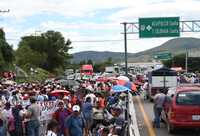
(90, 88)
(124, 78)
(9, 82)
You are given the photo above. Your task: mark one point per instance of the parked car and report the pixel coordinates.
(183, 110)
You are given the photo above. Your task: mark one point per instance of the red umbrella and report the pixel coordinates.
(121, 82)
(59, 92)
(102, 79)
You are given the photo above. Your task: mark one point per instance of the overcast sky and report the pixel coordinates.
(91, 20)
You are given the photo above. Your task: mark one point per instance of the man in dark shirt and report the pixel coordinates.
(159, 100)
(74, 124)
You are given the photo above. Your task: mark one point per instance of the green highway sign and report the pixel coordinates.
(163, 56)
(159, 27)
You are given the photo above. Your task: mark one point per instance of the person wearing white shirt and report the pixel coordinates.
(52, 128)
(93, 98)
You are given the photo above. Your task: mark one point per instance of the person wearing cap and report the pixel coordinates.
(75, 124)
(60, 115)
(33, 114)
(67, 103)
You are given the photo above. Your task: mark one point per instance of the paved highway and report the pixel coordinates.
(144, 115)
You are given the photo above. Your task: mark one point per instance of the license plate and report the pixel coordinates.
(195, 117)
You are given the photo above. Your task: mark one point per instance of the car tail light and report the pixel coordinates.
(171, 114)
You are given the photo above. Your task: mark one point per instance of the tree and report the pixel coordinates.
(6, 52)
(56, 49)
(179, 61)
(26, 58)
(109, 62)
(90, 62)
(82, 62)
(48, 51)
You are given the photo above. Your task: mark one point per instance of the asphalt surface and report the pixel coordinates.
(145, 117)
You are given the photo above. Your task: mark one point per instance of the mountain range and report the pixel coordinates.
(174, 46)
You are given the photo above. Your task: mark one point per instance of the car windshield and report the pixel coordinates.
(188, 98)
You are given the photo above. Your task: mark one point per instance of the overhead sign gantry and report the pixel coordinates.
(156, 27)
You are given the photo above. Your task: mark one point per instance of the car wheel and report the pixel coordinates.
(170, 128)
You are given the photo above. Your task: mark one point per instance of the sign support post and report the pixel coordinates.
(125, 48)
(186, 61)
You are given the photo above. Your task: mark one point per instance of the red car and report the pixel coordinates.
(183, 110)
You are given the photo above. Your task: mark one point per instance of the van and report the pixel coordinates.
(183, 110)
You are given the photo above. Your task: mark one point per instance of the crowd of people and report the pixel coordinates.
(90, 109)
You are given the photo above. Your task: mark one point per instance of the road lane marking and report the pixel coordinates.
(146, 118)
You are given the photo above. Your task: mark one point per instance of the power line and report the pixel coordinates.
(5, 11)
(88, 41)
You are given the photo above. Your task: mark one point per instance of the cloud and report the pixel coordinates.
(70, 8)
(181, 8)
(76, 27)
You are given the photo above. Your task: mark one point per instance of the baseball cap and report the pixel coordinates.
(76, 108)
(66, 98)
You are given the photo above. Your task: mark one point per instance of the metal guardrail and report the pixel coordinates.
(133, 126)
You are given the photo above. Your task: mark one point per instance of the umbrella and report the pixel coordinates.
(90, 88)
(123, 78)
(102, 79)
(131, 86)
(119, 88)
(9, 82)
(59, 92)
(121, 82)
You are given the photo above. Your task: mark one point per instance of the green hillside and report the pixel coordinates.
(175, 46)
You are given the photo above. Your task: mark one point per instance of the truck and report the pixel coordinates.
(112, 69)
(160, 80)
(86, 70)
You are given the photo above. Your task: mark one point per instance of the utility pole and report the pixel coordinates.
(186, 61)
(125, 48)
